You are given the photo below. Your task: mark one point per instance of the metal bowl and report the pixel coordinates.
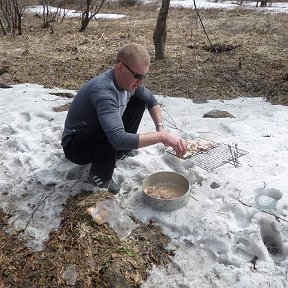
(172, 190)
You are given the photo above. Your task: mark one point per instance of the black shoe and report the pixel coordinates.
(121, 155)
(110, 185)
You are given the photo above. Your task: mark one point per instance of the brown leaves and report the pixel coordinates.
(92, 251)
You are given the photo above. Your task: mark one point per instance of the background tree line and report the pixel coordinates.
(54, 11)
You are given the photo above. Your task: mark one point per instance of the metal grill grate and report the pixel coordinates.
(215, 157)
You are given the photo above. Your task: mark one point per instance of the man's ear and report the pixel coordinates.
(119, 66)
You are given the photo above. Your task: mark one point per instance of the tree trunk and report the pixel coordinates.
(90, 11)
(18, 17)
(160, 32)
(3, 28)
(84, 21)
(11, 16)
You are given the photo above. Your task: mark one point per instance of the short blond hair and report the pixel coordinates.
(133, 53)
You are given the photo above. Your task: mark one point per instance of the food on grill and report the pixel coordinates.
(197, 145)
(164, 191)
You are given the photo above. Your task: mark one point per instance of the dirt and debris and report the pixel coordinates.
(253, 45)
(83, 254)
(215, 48)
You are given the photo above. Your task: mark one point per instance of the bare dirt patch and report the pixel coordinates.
(255, 65)
(82, 253)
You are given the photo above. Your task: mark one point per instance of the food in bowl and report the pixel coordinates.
(162, 191)
(166, 190)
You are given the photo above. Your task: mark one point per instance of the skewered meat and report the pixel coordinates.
(197, 145)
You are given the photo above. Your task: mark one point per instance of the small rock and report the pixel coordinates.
(214, 185)
(114, 277)
(4, 69)
(200, 101)
(218, 114)
(285, 77)
(63, 94)
(3, 85)
(193, 46)
(70, 275)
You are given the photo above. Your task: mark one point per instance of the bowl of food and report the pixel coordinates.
(166, 190)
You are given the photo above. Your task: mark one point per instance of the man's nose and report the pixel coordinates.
(140, 81)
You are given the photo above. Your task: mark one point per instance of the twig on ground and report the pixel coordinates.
(193, 198)
(42, 200)
(212, 46)
(172, 122)
(267, 212)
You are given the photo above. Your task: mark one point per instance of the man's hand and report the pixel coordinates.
(176, 142)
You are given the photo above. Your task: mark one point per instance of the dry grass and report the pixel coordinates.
(82, 253)
(67, 58)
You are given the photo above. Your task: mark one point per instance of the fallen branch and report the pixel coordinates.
(42, 200)
(267, 212)
(196, 9)
(172, 122)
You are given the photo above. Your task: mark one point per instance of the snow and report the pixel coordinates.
(275, 7)
(280, 7)
(38, 9)
(215, 236)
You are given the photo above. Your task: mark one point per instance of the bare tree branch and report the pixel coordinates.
(11, 14)
(90, 10)
(212, 46)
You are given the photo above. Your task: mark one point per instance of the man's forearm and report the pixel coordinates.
(150, 138)
(156, 115)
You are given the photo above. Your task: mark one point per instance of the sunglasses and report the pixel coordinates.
(136, 76)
